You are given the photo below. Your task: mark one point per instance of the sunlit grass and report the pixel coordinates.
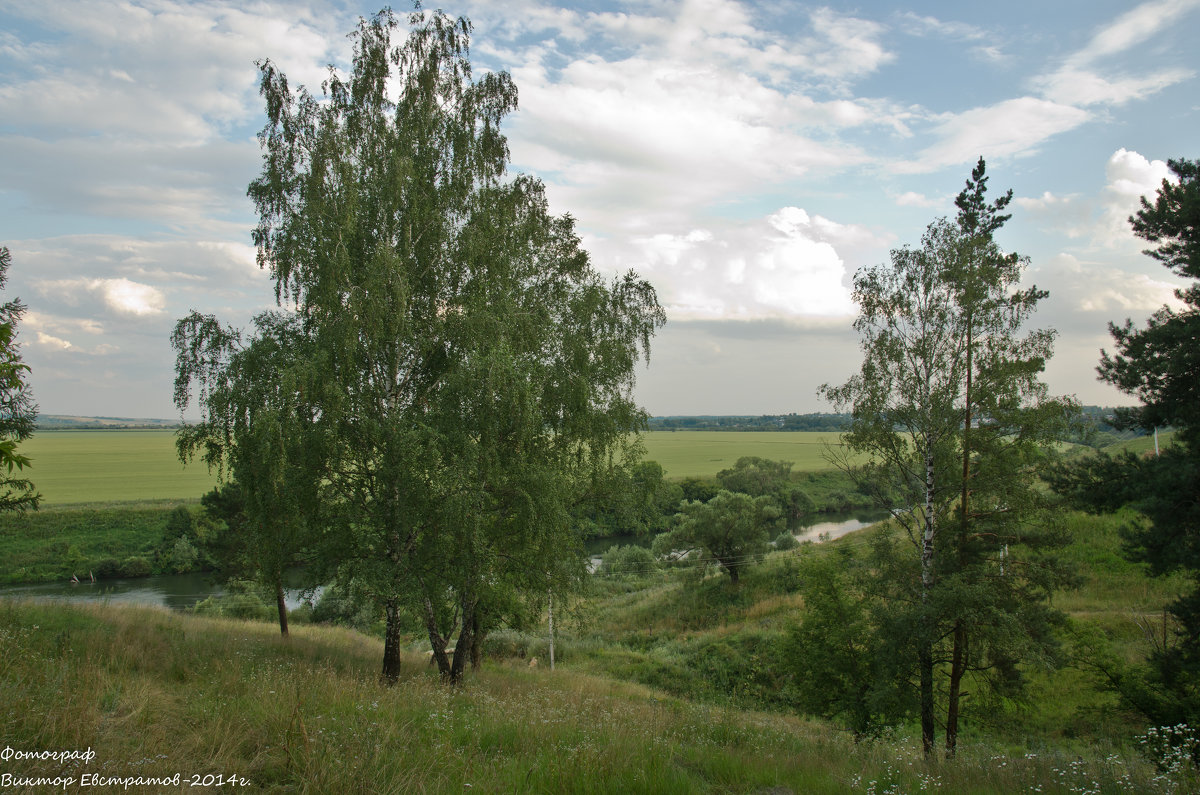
(154, 693)
(704, 453)
(71, 467)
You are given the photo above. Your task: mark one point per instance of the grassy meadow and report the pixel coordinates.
(704, 453)
(91, 466)
(94, 466)
(153, 694)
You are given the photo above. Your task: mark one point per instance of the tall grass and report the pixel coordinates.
(154, 694)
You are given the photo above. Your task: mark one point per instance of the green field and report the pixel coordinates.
(704, 453)
(71, 467)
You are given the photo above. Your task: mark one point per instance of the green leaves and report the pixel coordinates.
(18, 412)
(733, 529)
(454, 372)
(950, 408)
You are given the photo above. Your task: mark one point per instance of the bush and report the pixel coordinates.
(107, 569)
(628, 559)
(135, 567)
(184, 555)
(241, 600)
(507, 644)
(346, 604)
(786, 541)
(302, 614)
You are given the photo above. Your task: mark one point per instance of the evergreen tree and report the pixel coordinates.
(949, 408)
(1160, 365)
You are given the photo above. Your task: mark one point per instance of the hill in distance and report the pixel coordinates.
(64, 422)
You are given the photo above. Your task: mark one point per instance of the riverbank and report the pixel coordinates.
(107, 540)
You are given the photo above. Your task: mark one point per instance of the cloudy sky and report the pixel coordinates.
(745, 157)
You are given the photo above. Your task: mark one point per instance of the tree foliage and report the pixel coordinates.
(1160, 365)
(18, 412)
(949, 409)
(257, 429)
(462, 372)
(732, 529)
(758, 476)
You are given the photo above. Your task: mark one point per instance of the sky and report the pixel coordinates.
(745, 157)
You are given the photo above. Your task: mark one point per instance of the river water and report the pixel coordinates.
(183, 591)
(176, 591)
(816, 528)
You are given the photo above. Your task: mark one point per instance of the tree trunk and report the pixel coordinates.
(925, 663)
(282, 604)
(436, 641)
(958, 657)
(925, 647)
(466, 642)
(958, 666)
(391, 643)
(477, 638)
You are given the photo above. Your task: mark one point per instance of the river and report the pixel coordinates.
(815, 528)
(176, 591)
(183, 591)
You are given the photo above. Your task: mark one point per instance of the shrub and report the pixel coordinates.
(241, 600)
(135, 567)
(108, 569)
(628, 559)
(786, 541)
(346, 604)
(184, 555)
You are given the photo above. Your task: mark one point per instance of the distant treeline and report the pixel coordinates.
(765, 422)
(59, 422)
(1097, 428)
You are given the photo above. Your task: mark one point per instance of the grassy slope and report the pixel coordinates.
(71, 467)
(154, 693)
(1143, 444)
(703, 637)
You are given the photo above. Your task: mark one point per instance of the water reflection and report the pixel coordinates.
(815, 528)
(176, 591)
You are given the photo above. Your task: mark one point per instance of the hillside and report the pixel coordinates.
(153, 694)
(62, 422)
(668, 681)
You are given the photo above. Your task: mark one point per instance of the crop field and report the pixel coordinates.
(92, 466)
(71, 467)
(704, 453)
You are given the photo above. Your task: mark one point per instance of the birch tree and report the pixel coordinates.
(475, 366)
(950, 410)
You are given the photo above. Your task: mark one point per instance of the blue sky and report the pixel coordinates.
(745, 157)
